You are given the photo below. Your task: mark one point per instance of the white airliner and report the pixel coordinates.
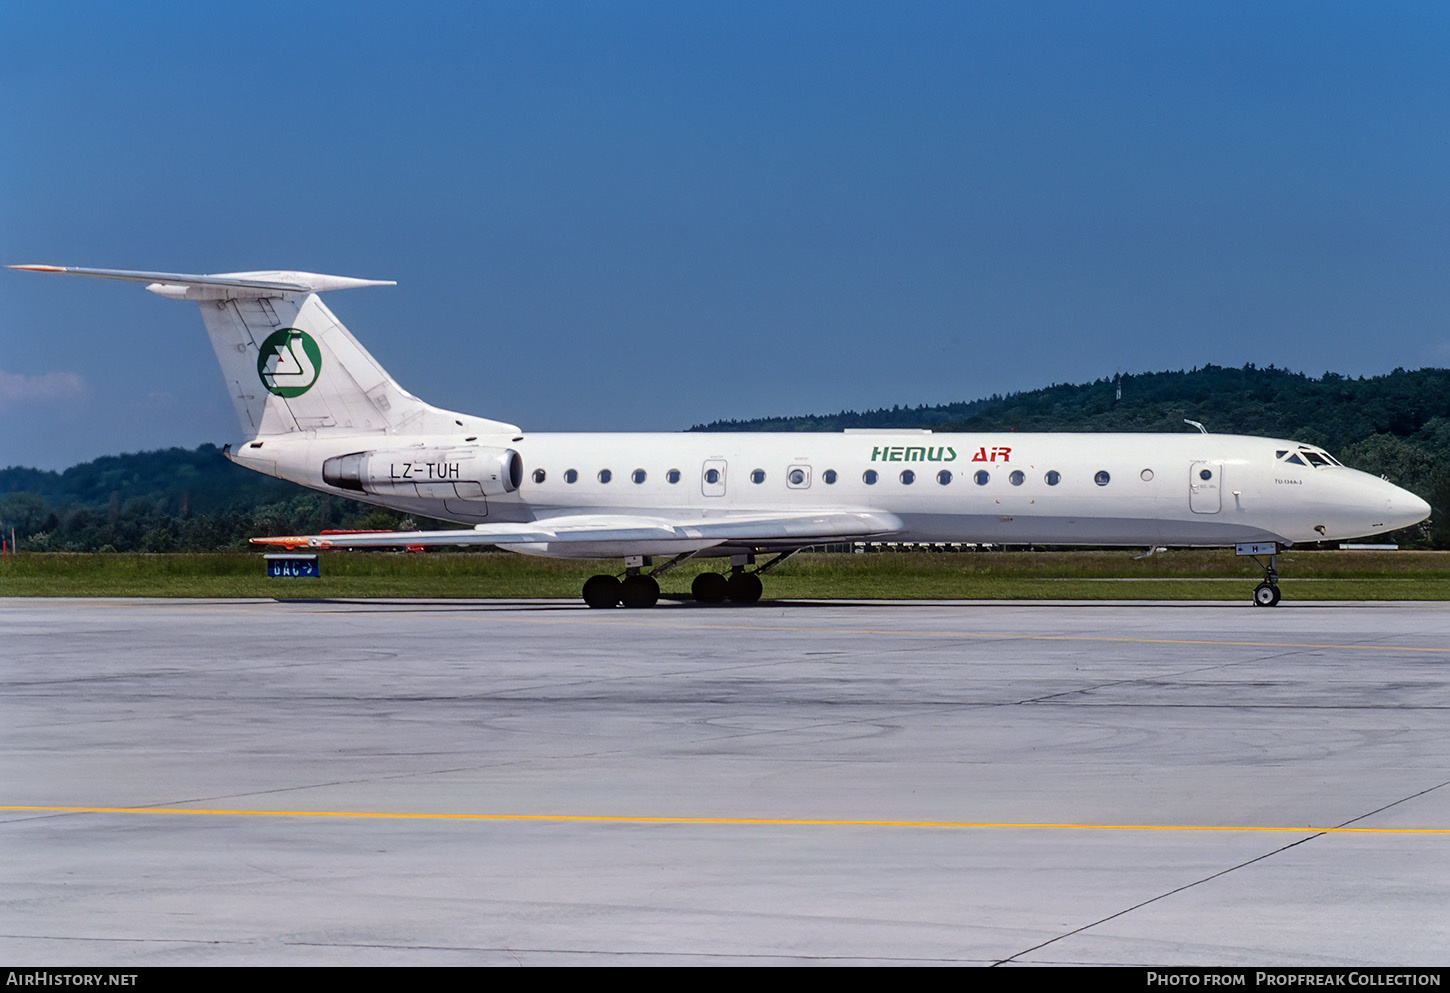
(317, 409)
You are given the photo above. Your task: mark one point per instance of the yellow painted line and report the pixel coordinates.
(731, 821)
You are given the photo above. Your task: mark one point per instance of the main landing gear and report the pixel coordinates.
(633, 591)
(739, 587)
(640, 589)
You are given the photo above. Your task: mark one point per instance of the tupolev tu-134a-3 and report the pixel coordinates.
(317, 409)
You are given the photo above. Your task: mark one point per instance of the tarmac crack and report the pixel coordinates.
(1161, 677)
(1222, 872)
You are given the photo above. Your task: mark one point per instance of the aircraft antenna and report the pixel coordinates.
(1196, 424)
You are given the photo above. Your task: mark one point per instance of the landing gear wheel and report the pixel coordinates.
(710, 587)
(639, 591)
(1266, 595)
(743, 587)
(601, 591)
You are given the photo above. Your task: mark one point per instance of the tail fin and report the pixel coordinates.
(289, 364)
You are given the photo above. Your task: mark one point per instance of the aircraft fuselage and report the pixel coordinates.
(1000, 488)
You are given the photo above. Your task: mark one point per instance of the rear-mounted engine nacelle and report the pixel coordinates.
(442, 473)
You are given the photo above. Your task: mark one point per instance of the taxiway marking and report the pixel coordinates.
(729, 821)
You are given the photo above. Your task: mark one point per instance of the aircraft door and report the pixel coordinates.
(712, 478)
(1205, 487)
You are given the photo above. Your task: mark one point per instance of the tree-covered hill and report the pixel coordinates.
(1333, 410)
(180, 480)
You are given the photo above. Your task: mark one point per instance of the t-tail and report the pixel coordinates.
(289, 364)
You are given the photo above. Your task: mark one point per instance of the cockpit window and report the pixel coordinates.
(1316, 457)
(1305, 456)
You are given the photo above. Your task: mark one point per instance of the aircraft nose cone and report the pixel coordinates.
(1412, 508)
(1405, 508)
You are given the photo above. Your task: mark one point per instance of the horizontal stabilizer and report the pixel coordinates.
(224, 285)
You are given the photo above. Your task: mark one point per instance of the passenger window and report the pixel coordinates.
(539, 475)
(829, 476)
(908, 477)
(797, 477)
(757, 475)
(638, 475)
(1102, 478)
(605, 475)
(982, 477)
(673, 476)
(1017, 478)
(1146, 475)
(944, 477)
(712, 476)
(571, 475)
(1053, 477)
(869, 476)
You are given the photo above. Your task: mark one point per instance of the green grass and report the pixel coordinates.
(1189, 575)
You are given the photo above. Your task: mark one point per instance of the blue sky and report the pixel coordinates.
(639, 216)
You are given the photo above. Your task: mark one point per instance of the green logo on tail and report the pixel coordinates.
(288, 362)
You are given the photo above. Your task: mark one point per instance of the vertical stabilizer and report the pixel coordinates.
(289, 365)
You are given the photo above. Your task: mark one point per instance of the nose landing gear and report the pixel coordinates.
(1266, 594)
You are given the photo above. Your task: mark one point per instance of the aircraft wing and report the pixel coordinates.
(612, 533)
